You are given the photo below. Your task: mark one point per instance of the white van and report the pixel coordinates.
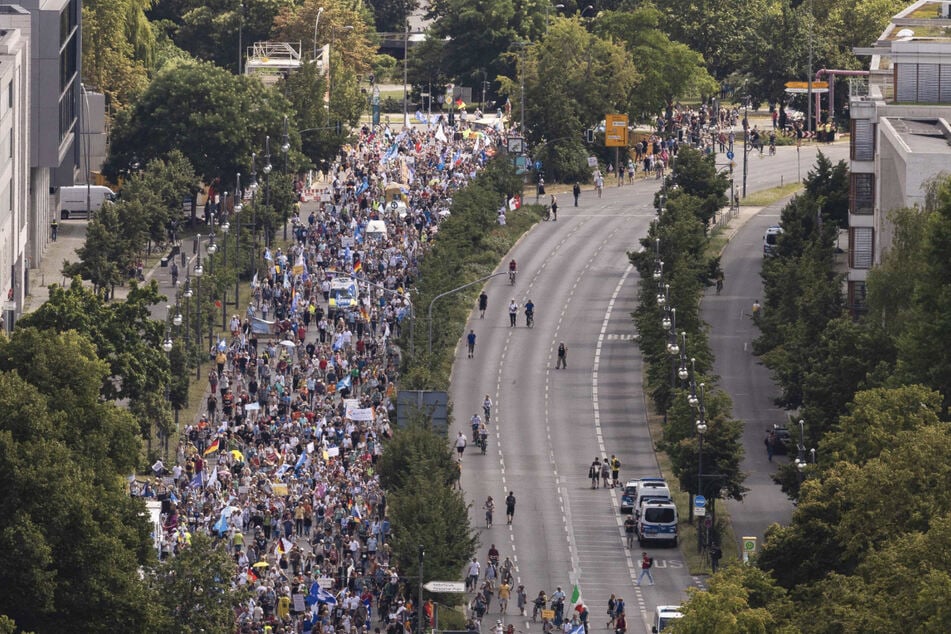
(343, 294)
(650, 489)
(73, 200)
(663, 615)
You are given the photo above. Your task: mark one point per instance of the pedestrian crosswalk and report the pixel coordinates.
(619, 337)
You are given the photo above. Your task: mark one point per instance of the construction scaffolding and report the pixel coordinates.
(270, 61)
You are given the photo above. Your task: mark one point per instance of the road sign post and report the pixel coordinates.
(749, 548)
(445, 586)
(699, 505)
(615, 135)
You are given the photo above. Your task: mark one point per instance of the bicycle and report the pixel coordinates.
(483, 442)
(772, 149)
(487, 410)
(488, 518)
(512, 275)
(530, 320)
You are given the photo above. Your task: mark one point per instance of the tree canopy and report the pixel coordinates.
(214, 118)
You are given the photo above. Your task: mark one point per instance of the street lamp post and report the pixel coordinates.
(198, 272)
(548, 10)
(746, 141)
(419, 607)
(801, 453)
(330, 70)
(701, 429)
(225, 228)
(285, 148)
(450, 292)
(316, 23)
(238, 208)
(267, 190)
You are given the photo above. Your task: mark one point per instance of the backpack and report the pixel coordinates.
(593, 472)
(650, 562)
(561, 349)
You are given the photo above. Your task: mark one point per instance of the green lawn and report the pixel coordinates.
(766, 197)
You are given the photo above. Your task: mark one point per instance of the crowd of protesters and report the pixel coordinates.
(280, 470)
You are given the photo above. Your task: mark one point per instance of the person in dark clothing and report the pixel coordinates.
(576, 190)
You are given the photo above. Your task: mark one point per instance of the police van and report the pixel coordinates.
(343, 294)
(771, 240)
(663, 615)
(657, 521)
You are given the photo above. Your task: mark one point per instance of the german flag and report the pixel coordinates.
(213, 447)
(357, 266)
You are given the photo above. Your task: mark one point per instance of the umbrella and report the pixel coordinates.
(287, 343)
(237, 455)
(261, 564)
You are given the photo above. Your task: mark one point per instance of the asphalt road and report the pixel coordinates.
(549, 424)
(741, 374)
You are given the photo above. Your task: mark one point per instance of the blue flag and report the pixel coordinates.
(196, 482)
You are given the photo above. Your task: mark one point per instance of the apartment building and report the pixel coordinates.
(900, 131)
(14, 157)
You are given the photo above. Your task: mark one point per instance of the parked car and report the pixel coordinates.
(629, 496)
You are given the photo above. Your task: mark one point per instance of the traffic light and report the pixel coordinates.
(338, 127)
(589, 135)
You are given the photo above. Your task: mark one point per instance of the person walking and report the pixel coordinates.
(460, 444)
(54, 229)
(770, 445)
(470, 342)
(505, 591)
(615, 471)
(554, 208)
(562, 356)
(612, 615)
(521, 598)
(646, 564)
(620, 625)
(472, 574)
(483, 304)
(576, 190)
(513, 313)
(594, 472)
(510, 507)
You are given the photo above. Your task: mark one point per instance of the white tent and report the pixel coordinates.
(376, 229)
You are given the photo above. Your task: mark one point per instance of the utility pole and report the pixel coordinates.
(809, 125)
(419, 608)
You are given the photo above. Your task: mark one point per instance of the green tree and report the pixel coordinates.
(671, 71)
(124, 334)
(416, 451)
(210, 30)
(920, 358)
(194, 589)
(572, 78)
(216, 119)
(71, 539)
(739, 599)
(852, 509)
(118, 48)
(722, 449)
(429, 513)
(891, 284)
(696, 175)
(849, 356)
(391, 15)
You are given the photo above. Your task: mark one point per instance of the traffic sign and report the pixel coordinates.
(538, 166)
(615, 130)
(729, 154)
(699, 505)
(445, 586)
(749, 548)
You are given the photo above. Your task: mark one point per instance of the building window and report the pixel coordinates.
(922, 83)
(862, 194)
(67, 114)
(863, 140)
(10, 94)
(858, 300)
(862, 247)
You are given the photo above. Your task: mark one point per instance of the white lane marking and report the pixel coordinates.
(631, 568)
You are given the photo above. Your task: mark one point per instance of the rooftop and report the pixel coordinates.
(922, 136)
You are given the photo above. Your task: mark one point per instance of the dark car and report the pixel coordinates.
(629, 496)
(784, 441)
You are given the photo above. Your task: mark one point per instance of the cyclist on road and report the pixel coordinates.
(489, 507)
(487, 407)
(475, 422)
(529, 313)
(513, 271)
(513, 312)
